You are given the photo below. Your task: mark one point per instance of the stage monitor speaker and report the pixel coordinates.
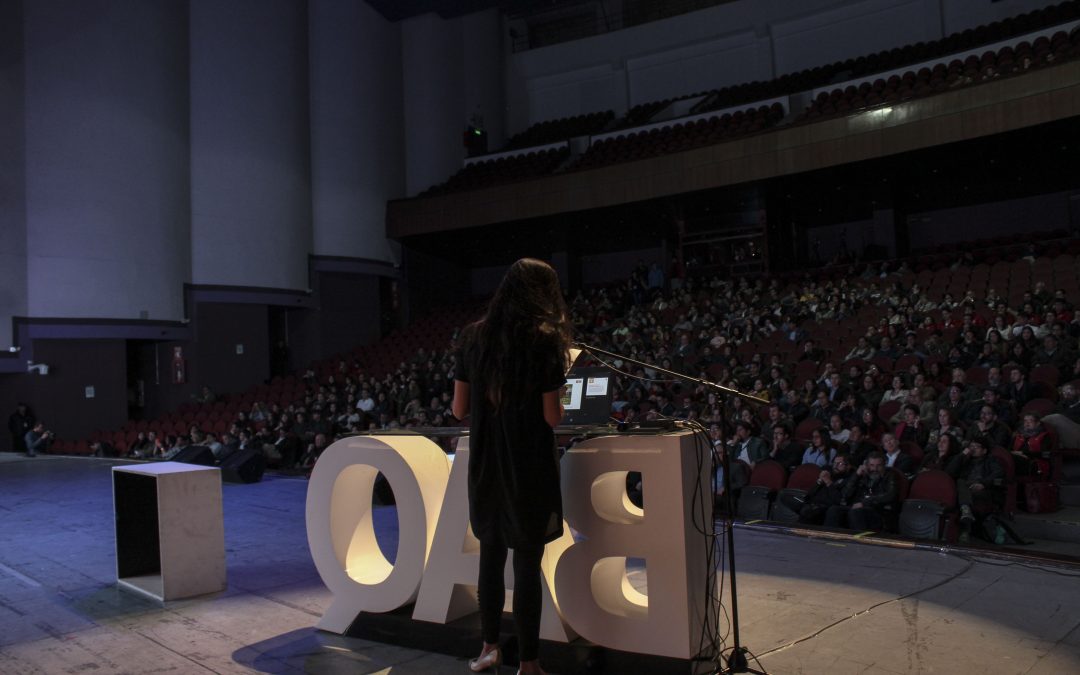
(196, 454)
(243, 466)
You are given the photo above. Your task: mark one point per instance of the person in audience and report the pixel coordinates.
(19, 424)
(835, 389)
(862, 350)
(1018, 355)
(898, 392)
(785, 450)
(867, 498)
(979, 477)
(895, 458)
(946, 424)
(857, 447)
(822, 409)
(211, 441)
(38, 439)
(313, 451)
(142, 446)
(944, 447)
(1051, 354)
(810, 352)
(180, 443)
(954, 400)
(289, 448)
(989, 427)
(101, 448)
(1068, 403)
(746, 446)
(794, 407)
(912, 429)
(162, 443)
(248, 441)
(365, 403)
(838, 432)
(820, 451)
(739, 475)
(870, 394)
(1029, 446)
(229, 445)
(776, 417)
(827, 492)
(205, 395)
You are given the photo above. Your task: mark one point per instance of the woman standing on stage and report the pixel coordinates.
(510, 373)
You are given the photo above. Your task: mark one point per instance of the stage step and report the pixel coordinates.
(1062, 525)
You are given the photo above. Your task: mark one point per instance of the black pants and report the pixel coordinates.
(491, 592)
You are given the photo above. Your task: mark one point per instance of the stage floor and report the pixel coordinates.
(806, 605)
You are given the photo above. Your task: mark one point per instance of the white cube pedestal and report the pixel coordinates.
(170, 533)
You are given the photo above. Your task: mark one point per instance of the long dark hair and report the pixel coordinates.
(527, 314)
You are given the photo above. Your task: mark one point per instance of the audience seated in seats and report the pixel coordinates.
(782, 325)
(827, 492)
(866, 498)
(979, 481)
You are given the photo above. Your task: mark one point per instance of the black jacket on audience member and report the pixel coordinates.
(877, 493)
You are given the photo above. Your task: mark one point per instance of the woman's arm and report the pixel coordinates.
(553, 410)
(460, 406)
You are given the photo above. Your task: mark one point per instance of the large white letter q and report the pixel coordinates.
(341, 532)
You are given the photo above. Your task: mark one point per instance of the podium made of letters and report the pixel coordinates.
(426, 598)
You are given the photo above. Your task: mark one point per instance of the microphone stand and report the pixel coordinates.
(736, 662)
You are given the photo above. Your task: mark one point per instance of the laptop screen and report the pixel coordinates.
(587, 396)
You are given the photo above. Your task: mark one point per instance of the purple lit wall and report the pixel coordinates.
(12, 172)
(451, 69)
(356, 127)
(106, 158)
(250, 164)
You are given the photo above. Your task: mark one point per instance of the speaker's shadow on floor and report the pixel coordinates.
(309, 650)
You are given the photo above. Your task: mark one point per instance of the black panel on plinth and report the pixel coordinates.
(461, 638)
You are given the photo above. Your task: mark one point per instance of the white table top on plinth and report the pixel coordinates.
(163, 468)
